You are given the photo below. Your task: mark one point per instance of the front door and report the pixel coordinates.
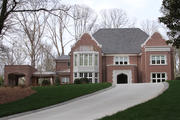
(122, 79)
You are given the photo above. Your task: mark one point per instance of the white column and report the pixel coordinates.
(93, 77)
(93, 56)
(77, 59)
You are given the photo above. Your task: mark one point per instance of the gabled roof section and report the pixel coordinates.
(121, 40)
(155, 40)
(87, 36)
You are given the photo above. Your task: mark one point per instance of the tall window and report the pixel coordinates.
(81, 60)
(158, 77)
(75, 60)
(85, 59)
(121, 60)
(96, 77)
(90, 59)
(96, 59)
(158, 59)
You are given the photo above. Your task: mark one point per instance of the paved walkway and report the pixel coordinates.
(106, 103)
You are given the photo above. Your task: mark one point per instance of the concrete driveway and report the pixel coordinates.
(96, 106)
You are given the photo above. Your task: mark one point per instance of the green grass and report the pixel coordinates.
(50, 95)
(164, 107)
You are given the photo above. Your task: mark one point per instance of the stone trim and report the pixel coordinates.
(117, 72)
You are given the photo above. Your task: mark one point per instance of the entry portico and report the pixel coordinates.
(119, 76)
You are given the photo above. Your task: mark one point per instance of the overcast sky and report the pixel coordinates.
(138, 10)
(135, 9)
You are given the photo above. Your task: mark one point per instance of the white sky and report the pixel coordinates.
(138, 10)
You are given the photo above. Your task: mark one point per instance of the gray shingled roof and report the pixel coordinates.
(63, 57)
(121, 40)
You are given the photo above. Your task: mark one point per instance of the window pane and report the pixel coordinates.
(81, 74)
(163, 75)
(153, 62)
(85, 75)
(125, 62)
(154, 80)
(96, 74)
(69, 64)
(162, 61)
(153, 58)
(96, 59)
(121, 63)
(153, 75)
(65, 80)
(90, 74)
(75, 60)
(158, 59)
(116, 60)
(90, 59)
(121, 59)
(85, 59)
(158, 75)
(162, 57)
(158, 80)
(126, 59)
(163, 80)
(81, 60)
(75, 74)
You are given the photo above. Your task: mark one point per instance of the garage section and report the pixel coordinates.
(18, 74)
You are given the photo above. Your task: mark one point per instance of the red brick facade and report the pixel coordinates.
(139, 68)
(16, 71)
(146, 69)
(139, 64)
(86, 40)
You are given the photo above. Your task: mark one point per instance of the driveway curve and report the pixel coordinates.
(96, 106)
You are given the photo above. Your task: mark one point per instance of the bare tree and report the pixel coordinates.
(84, 19)
(32, 26)
(57, 26)
(113, 18)
(46, 60)
(149, 26)
(13, 54)
(9, 7)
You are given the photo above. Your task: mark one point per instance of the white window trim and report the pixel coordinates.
(83, 73)
(66, 80)
(83, 59)
(165, 56)
(119, 60)
(166, 77)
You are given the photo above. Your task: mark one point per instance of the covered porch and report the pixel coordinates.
(39, 77)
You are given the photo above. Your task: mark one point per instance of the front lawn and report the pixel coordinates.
(164, 107)
(46, 96)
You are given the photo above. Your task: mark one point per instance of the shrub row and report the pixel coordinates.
(81, 81)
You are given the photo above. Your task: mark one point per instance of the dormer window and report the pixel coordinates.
(121, 60)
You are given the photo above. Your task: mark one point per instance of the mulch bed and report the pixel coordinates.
(10, 94)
